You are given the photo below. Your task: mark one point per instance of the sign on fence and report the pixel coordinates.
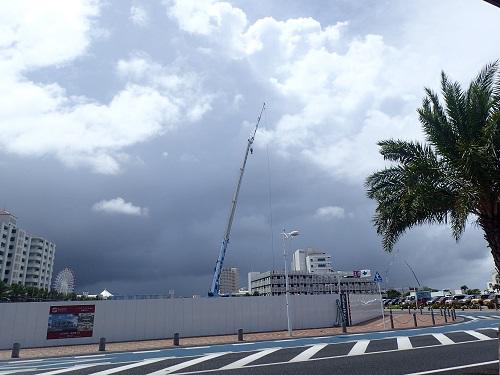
(70, 321)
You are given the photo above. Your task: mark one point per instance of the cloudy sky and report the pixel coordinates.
(123, 125)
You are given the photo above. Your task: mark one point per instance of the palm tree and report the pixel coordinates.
(455, 175)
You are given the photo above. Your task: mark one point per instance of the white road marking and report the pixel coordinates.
(146, 351)
(404, 343)
(359, 347)
(469, 317)
(196, 347)
(484, 317)
(89, 356)
(454, 368)
(27, 361)
(130, 366)
(496, 316)
(72, 368)
(308, 353)
(251, 358)
(444, 340)
(182, 365)
(478, 335)
(319, 359)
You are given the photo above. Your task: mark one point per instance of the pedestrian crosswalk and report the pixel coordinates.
(485, 317)
(221, 361)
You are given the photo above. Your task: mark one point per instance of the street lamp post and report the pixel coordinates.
(287, 236)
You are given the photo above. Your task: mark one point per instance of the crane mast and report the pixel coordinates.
(215, 286)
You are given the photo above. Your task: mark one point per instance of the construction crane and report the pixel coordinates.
(215, 286)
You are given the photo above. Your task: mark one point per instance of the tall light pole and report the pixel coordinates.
(286, 236)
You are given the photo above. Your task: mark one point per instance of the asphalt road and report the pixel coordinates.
(445, 349)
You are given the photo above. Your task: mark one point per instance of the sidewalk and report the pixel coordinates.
(401, 320)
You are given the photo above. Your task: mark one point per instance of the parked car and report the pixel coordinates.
(479, 300)
(455, 298)
(491, 300)
(433, 300)
(466, 300)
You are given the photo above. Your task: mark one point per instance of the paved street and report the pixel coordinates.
(457, 348)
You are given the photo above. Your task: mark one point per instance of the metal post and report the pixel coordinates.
(381, 304)
(240, 334)
(16, 348)
(440, 311)
(288, 323)
(344, 327)
(409, 309)
(415, 319)
(421, 310)
(433, 319)
(102, 344)
(445, 317)
(176, 339)
(454, 313)
(480, 308)
(392, 319)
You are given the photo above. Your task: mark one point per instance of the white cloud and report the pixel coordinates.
(328, 213)
(119, 206)
(42, 119)
(336, 89)
(139, 16)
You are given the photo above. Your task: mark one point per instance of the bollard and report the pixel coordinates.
(480, 307)
(445, 318)
(176, 339)
(16, 348)
(421, 310)
(496, 306)
(344, 327)
(240, 334)
(392, 319)
(409, 309)
(102, 344)
(433, 319)
(454, 315)
(440, 311)
(415, 319)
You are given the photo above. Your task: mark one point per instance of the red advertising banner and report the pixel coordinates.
(70, 321)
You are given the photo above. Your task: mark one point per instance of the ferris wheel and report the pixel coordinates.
(65, 281)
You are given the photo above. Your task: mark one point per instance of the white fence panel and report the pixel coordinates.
(128, 320)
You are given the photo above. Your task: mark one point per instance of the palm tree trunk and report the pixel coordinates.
(490, 222)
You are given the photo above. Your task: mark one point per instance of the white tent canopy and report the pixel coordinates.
(105, 294)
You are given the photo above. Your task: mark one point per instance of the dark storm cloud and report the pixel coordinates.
(186, 177)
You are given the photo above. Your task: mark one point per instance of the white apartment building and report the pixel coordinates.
(229, 281)
(24, 258)
(312, 261)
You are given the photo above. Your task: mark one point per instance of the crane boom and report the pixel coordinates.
(214, 287)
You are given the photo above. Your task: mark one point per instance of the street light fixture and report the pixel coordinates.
(286, 236)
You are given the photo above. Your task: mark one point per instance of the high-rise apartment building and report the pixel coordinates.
(24, 258)
(229, 280)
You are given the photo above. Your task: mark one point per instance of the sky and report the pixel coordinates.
(123, 125)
